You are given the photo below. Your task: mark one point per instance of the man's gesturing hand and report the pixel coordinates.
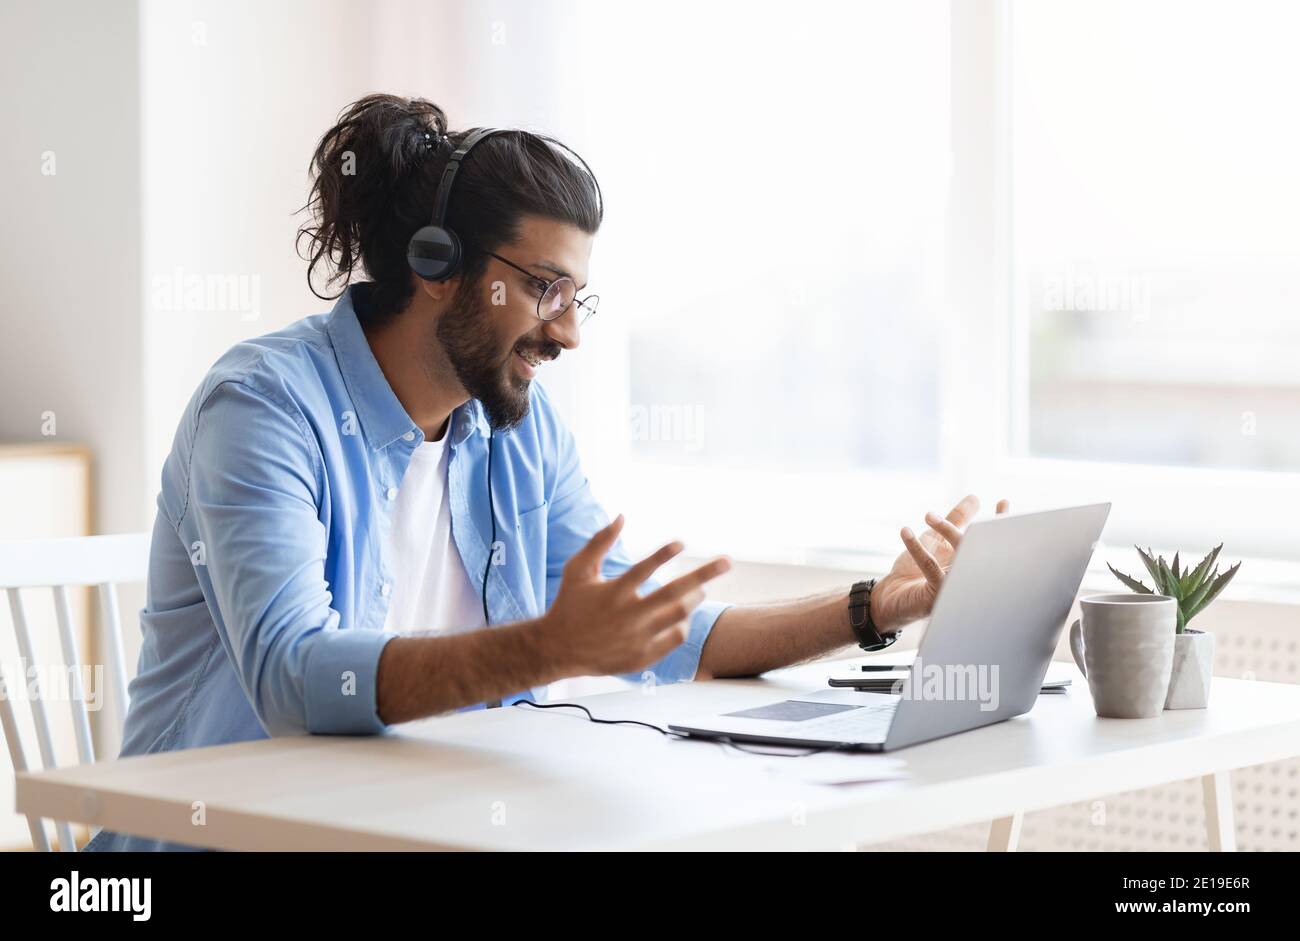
(908, 591)
(599, 626)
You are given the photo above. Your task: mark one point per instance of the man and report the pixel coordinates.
(375, 515)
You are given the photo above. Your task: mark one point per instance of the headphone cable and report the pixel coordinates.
(720, 739)
(487, 569)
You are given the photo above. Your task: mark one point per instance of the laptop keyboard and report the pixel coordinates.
(867, 723)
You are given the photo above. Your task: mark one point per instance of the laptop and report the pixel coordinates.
(992, 632)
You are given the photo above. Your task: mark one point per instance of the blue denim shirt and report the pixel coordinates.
(268, 585)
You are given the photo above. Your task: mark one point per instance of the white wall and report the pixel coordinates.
(234, 97)
(70, 323)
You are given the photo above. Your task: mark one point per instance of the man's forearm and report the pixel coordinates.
(424, 675)
(749, 639)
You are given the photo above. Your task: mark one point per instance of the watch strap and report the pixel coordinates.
(860, 621)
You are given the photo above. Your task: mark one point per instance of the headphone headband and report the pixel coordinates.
(453, 167)
(435, 251)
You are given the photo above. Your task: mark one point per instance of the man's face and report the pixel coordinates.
(491, 332)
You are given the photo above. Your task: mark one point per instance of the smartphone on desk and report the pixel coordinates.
(876, 677)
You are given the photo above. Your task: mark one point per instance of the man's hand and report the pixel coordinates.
(598, 626)
(908, 591)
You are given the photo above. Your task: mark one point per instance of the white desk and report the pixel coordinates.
(525, 779)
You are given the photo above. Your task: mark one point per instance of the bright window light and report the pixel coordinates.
(787, 175)
(1156, 252)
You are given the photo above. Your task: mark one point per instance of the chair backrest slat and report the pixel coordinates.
(72, 658)
(36, 697)
(111, 622)
(34, 693)
(18, 756)
(99, 561)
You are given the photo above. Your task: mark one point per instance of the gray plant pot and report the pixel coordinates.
(1189, 684)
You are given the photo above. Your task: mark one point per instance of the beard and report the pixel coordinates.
(483, 362)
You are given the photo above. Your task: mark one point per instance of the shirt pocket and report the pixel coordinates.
(532, 523)
(530, 533)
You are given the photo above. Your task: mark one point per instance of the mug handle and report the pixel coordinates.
(1076, 645)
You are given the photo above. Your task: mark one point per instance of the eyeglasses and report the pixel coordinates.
(556, 295)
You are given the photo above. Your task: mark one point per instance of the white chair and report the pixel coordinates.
(57, 564)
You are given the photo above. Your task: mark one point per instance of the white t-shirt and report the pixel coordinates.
(431, 589)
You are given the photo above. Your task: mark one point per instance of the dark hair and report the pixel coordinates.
(375, 174)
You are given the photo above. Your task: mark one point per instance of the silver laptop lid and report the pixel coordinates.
(996, 621)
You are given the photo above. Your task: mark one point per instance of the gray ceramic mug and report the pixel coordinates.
(1125, 647)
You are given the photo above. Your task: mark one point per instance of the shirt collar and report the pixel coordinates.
(466, 420)
(381, 415)
(475, 419)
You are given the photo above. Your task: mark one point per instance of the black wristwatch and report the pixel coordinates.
(864, 628)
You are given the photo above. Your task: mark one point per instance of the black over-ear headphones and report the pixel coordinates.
(435, 251)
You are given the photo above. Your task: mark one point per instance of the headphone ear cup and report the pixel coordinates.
(434, 253)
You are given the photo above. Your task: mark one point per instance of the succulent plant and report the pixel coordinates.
(1193, 589)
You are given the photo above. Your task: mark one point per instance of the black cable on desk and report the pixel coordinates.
(718, 739)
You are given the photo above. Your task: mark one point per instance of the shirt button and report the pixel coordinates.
(409, 436)
(391, 493)
(385, 589)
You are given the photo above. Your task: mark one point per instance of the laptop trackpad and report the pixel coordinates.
(792, 710)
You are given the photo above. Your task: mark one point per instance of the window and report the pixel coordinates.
(1157, 255)
(862, 261)
(778, 189)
